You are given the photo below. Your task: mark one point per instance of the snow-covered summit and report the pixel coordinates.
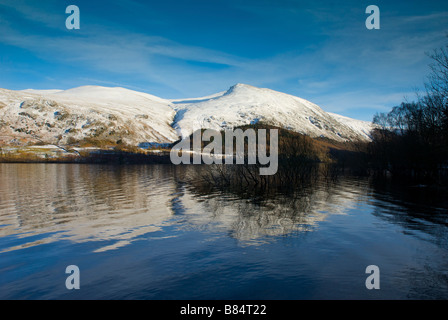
(119, 114)
(116, 94)
(88, 112)
(245, 104)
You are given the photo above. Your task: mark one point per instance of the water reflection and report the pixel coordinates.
(177, 235)
(421, 210)
(258, 218)
(92, 203)
(82, 203)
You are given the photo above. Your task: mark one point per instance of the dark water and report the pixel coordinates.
(145, 232)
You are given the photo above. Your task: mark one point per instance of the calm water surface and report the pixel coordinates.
(145, 232)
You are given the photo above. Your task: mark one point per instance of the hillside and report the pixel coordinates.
(94, 113)
(244, 104)
(101, 116)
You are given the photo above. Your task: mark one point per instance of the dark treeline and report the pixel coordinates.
(301, 160)
(411, 141)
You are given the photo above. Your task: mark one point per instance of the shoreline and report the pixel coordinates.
(57, 154)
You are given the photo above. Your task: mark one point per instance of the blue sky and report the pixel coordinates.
(317, 50)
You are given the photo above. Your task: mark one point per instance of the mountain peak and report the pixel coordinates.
(120, 113)
(109, 93)
(240, 86)
(244, 104)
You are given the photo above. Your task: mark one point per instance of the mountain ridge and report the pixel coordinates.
(244, 104)
(118, 114)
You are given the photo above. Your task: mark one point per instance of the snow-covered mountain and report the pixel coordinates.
(114, 114)
(245, 104)
(110, 114)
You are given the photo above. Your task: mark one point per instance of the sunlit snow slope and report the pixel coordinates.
(118, 114)
(86, 112)
(245, 104)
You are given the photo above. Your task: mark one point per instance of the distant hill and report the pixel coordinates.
(109, 116)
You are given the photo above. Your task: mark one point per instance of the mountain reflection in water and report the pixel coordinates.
(87, 203)
(160, 232)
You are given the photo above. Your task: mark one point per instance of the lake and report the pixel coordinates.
(147, 232)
